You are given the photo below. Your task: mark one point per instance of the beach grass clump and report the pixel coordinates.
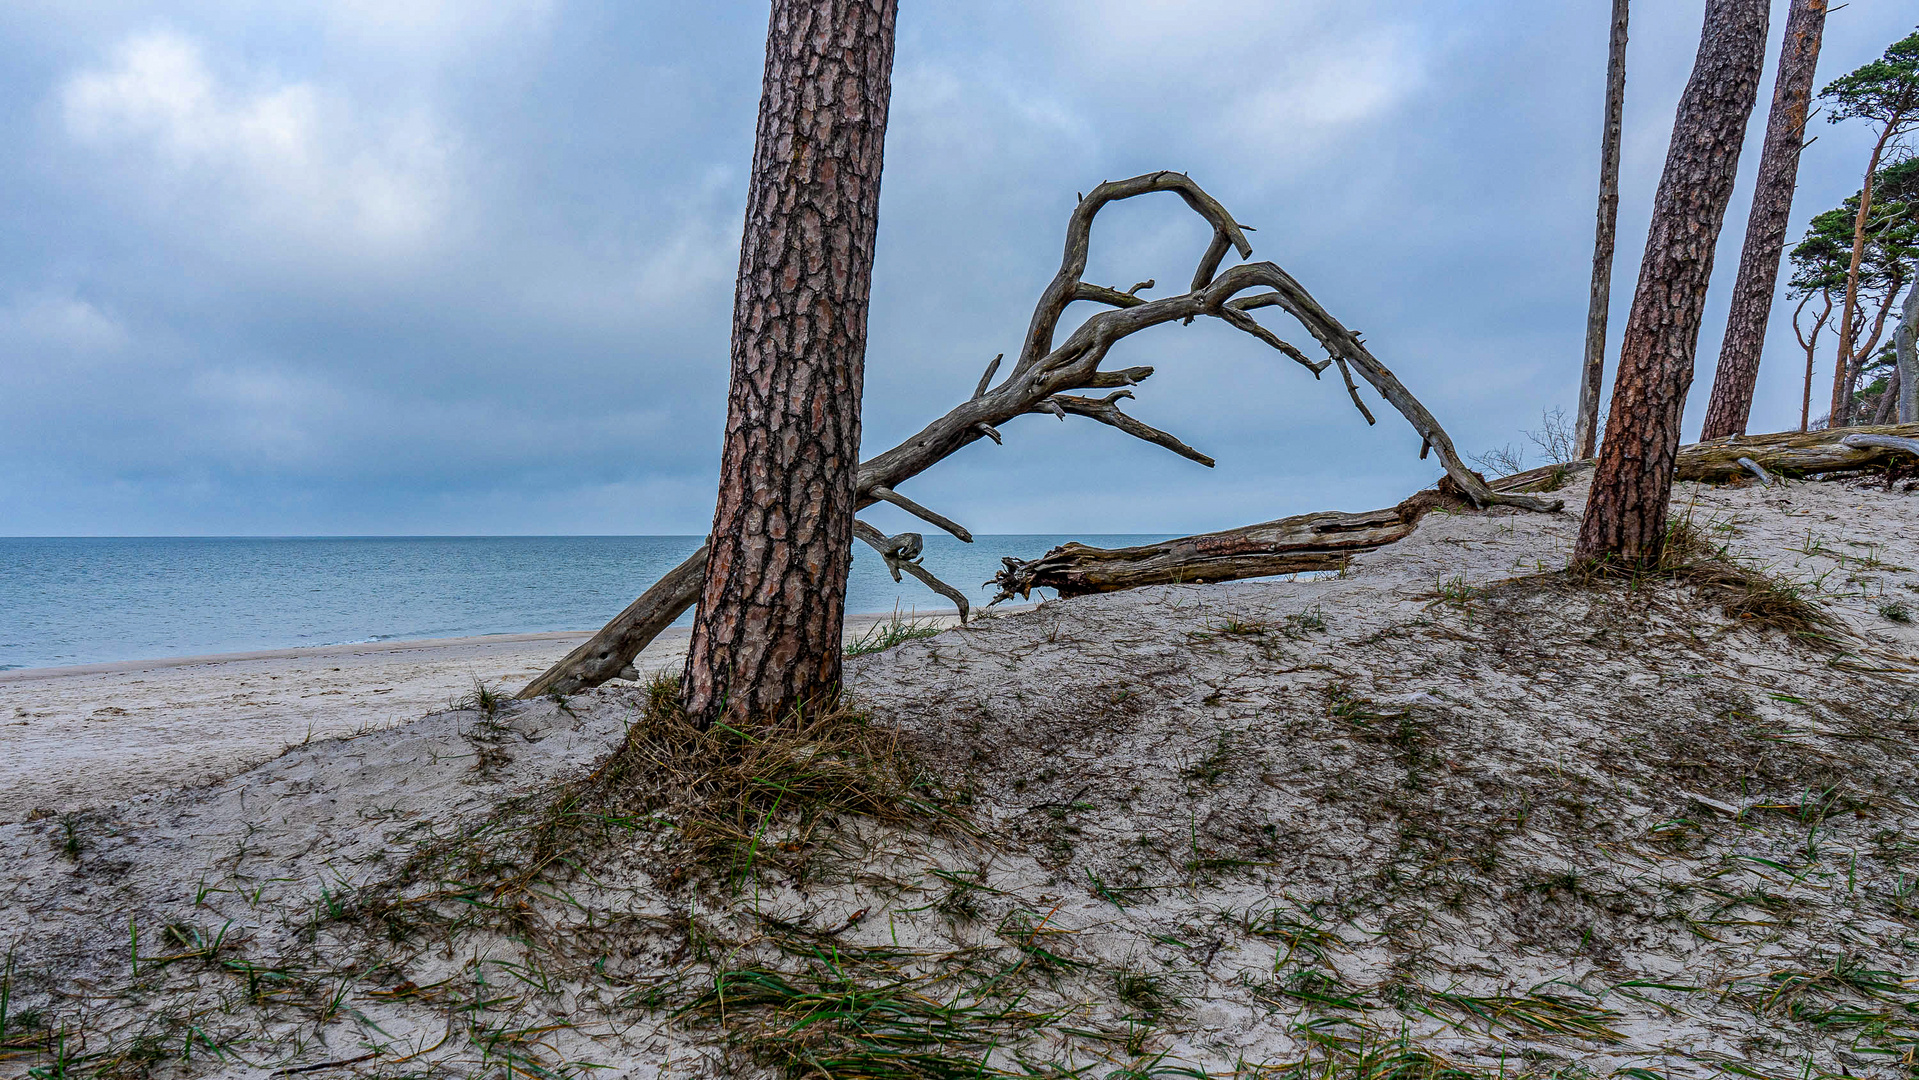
(896, 630)
(482, 699)
(828, 1019)
(1743, 592)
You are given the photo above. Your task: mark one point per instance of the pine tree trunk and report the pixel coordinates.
(1752, 294)
(1626, 512)
(1599, 301)
(1850, 318)
(766, 637)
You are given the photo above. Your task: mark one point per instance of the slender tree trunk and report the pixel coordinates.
(766, 638)
(1883, 413)
(1905, 346)
(1626, 512)
(1849, 313)
(1810, 343)
(1738, 371)
(1599, 302)
(1862, 354)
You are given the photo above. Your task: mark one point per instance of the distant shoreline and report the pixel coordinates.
(69, 603)
(671, 636)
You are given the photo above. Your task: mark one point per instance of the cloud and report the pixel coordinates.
(427, 265)
(1264, 82)
(61, 324)
(432, 25)
(278, 160)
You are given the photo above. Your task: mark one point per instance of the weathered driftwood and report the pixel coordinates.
(1325, 541)
(1793, 453)
(902, 552)
(1041, 380)
(1885, 442)
(1756, 470)
(608, 653)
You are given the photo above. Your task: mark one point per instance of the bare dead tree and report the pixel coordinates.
(1738, 371)
(1862, 352)
(1626, 514)
(1042, 378)
(1599, 299)
(1809, 341)
(1886, 411)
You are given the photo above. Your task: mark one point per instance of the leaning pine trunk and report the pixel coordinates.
(1626, 513)
(1851, 319)
(1738, 371)
(767, 636)
(1599, 300)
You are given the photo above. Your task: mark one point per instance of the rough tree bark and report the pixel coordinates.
(1738, 371)
(1626, 513)
(767, 636)
(1326, 541)
(1599, 300)
(1905, 343)
(1039, 383)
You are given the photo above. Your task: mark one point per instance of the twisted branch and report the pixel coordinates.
(902, 552)
(1042, 379)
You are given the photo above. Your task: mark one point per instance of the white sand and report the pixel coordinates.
(1401, 784)
(75, 737)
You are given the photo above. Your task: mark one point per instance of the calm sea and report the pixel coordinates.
(97, 599)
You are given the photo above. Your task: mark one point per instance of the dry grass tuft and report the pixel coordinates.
(726, 790)
(1745, 593)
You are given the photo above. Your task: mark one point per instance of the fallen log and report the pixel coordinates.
(1795, 453)
(1327, 540)
(1040, 381)
(1322, 541)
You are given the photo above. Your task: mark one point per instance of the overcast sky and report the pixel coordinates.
(466, 266)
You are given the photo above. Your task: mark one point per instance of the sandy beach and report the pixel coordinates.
(1447, 785)
(82, 736)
